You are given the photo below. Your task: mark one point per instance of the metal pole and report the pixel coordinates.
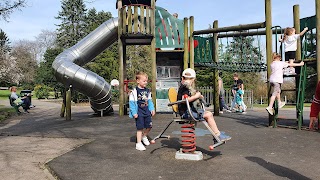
(268, 18)
(231, 28)
(215, 58)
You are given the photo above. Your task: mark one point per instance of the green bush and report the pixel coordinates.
(42, 91)
(115, 95)
(28, 86)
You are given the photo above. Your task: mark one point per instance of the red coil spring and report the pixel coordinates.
(188, 138)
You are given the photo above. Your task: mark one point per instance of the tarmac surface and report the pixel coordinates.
(42, 145)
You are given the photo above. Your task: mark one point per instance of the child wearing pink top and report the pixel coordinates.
(276, 79)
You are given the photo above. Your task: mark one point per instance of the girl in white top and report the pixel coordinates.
(290, 43)
(276, 79)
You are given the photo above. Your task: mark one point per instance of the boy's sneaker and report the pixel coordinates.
(281, 105)
(145, 140)
(223, 137)
(229, 111)
(220, 112)
(140, 147)
(270, 110)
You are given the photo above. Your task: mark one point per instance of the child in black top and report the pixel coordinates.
(188, 77)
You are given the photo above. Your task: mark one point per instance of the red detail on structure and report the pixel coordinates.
(164, 27)
(188, 138)
(160, 33)
(195, 43)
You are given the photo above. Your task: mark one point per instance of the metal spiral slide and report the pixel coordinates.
(68, 70)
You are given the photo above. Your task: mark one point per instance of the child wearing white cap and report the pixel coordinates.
(188, 78)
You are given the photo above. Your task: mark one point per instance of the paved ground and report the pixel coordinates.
(90, 147)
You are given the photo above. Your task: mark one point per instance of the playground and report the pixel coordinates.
(39, 144)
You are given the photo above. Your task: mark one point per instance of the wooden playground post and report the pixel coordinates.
(186, 53)
(231, 28)
(68, 104)
(120, 51)
(153, 52)
(296, 23)
(215, 58)
(63, 106)
(191, 42)
(268, 18)
(318, 37)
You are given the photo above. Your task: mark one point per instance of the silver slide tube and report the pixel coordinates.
(68, 70)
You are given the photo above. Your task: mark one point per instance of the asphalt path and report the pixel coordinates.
(42, 145)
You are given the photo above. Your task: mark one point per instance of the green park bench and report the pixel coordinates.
(14, 105)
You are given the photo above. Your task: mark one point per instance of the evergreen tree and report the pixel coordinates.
(94, 19)
(4, 58)
(73, 26)
(45, 73)
(4, 43)
(241, 49)
(106, 64)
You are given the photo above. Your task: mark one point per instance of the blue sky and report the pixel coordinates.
(39, 14)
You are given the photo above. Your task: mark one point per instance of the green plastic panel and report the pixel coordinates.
(309, 22)
(203, 52)
(169, 30)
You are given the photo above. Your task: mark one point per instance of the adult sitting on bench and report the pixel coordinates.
(16, 102)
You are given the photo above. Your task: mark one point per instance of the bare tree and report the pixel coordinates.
(8, 6)
(45, 40)
(23, 53)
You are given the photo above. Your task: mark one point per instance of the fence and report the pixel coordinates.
(208, 95)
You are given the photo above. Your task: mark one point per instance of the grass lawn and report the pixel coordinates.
(4, 94)
(6, 112)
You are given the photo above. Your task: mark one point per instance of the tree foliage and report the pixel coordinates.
(239, 49)
(26, 64)
(72, 27)
(8, 6)
(4, 43)
(105, 64)
(45, 73)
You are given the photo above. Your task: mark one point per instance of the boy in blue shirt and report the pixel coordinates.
(141, 108)
(239, 98)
